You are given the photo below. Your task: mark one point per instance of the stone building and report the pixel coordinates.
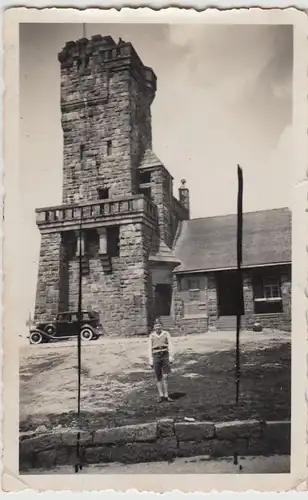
(205, 282)
(141, 255)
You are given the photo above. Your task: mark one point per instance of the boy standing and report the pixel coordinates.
(160, 357)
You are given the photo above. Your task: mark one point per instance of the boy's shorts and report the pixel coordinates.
(161, 364)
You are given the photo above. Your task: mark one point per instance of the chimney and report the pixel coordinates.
(184, 195)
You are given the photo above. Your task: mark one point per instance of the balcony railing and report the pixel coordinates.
(97, 209)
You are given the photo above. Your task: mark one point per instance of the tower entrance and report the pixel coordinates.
(163, 298)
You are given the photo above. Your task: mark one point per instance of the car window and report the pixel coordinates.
(74, 317)
(64, 317)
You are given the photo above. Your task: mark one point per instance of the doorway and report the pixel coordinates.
(227, 290)
(163, 298)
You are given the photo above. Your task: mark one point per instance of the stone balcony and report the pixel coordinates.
(96, 213)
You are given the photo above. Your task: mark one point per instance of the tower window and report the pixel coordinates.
(113, 241)
(103, 193)
(86, 61)
(82, 151)
(146, 191)
(83, 62)
(145, 177)
(109, 148)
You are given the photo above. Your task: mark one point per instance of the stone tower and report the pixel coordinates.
(114, 187)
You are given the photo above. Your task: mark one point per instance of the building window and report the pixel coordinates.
(113, 241)
(83, 62)
(145, 177)
(103, 193)
(267, 295)
(192, 283)
(194, 295)
(109, 148)
(82, 151)
(86, 61)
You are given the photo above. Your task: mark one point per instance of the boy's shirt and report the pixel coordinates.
(160, 343)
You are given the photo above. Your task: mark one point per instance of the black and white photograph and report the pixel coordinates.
(156, 256)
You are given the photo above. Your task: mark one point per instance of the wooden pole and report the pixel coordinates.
(239, 275)
(78, 465)
(239, 238)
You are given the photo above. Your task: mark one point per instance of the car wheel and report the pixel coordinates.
(36, 338)
(50, 329)
(86, 334)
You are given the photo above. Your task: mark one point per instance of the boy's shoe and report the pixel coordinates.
(160, 399)
(167, 399)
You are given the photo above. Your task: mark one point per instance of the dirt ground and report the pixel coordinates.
(118, 387)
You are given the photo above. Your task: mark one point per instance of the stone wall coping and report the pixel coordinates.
(150, 431)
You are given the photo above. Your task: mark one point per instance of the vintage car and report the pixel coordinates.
(65, 326)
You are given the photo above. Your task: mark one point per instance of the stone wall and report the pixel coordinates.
(161, 188)
(286, 293)
(96, 168)
(197, 324)
(281, 321)
(106, 96)
(193, 325)
(141, 131)
(155, 441)
(121, 297)
(52, 272)
(248, 300)
(212, 299)
(106, 119)
(177, 301)
(186, 323)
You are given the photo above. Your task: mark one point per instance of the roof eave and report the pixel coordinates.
(231, 268)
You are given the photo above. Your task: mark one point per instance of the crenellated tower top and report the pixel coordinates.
(106, 96)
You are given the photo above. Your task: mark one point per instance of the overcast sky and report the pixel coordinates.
(224, 96)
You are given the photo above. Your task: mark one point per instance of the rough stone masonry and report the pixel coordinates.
(115, 186)
(154, 441)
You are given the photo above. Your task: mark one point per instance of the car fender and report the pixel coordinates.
(88, 326)
(42, 332)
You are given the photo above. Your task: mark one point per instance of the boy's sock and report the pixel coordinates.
(160, 389)
(165, 388)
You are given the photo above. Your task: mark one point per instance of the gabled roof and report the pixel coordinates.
(149, 159)
(164, 255)
(210, 243)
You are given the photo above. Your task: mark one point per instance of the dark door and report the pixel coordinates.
(163, 297)
(64, 325)
(74, 325)
(228, 301)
